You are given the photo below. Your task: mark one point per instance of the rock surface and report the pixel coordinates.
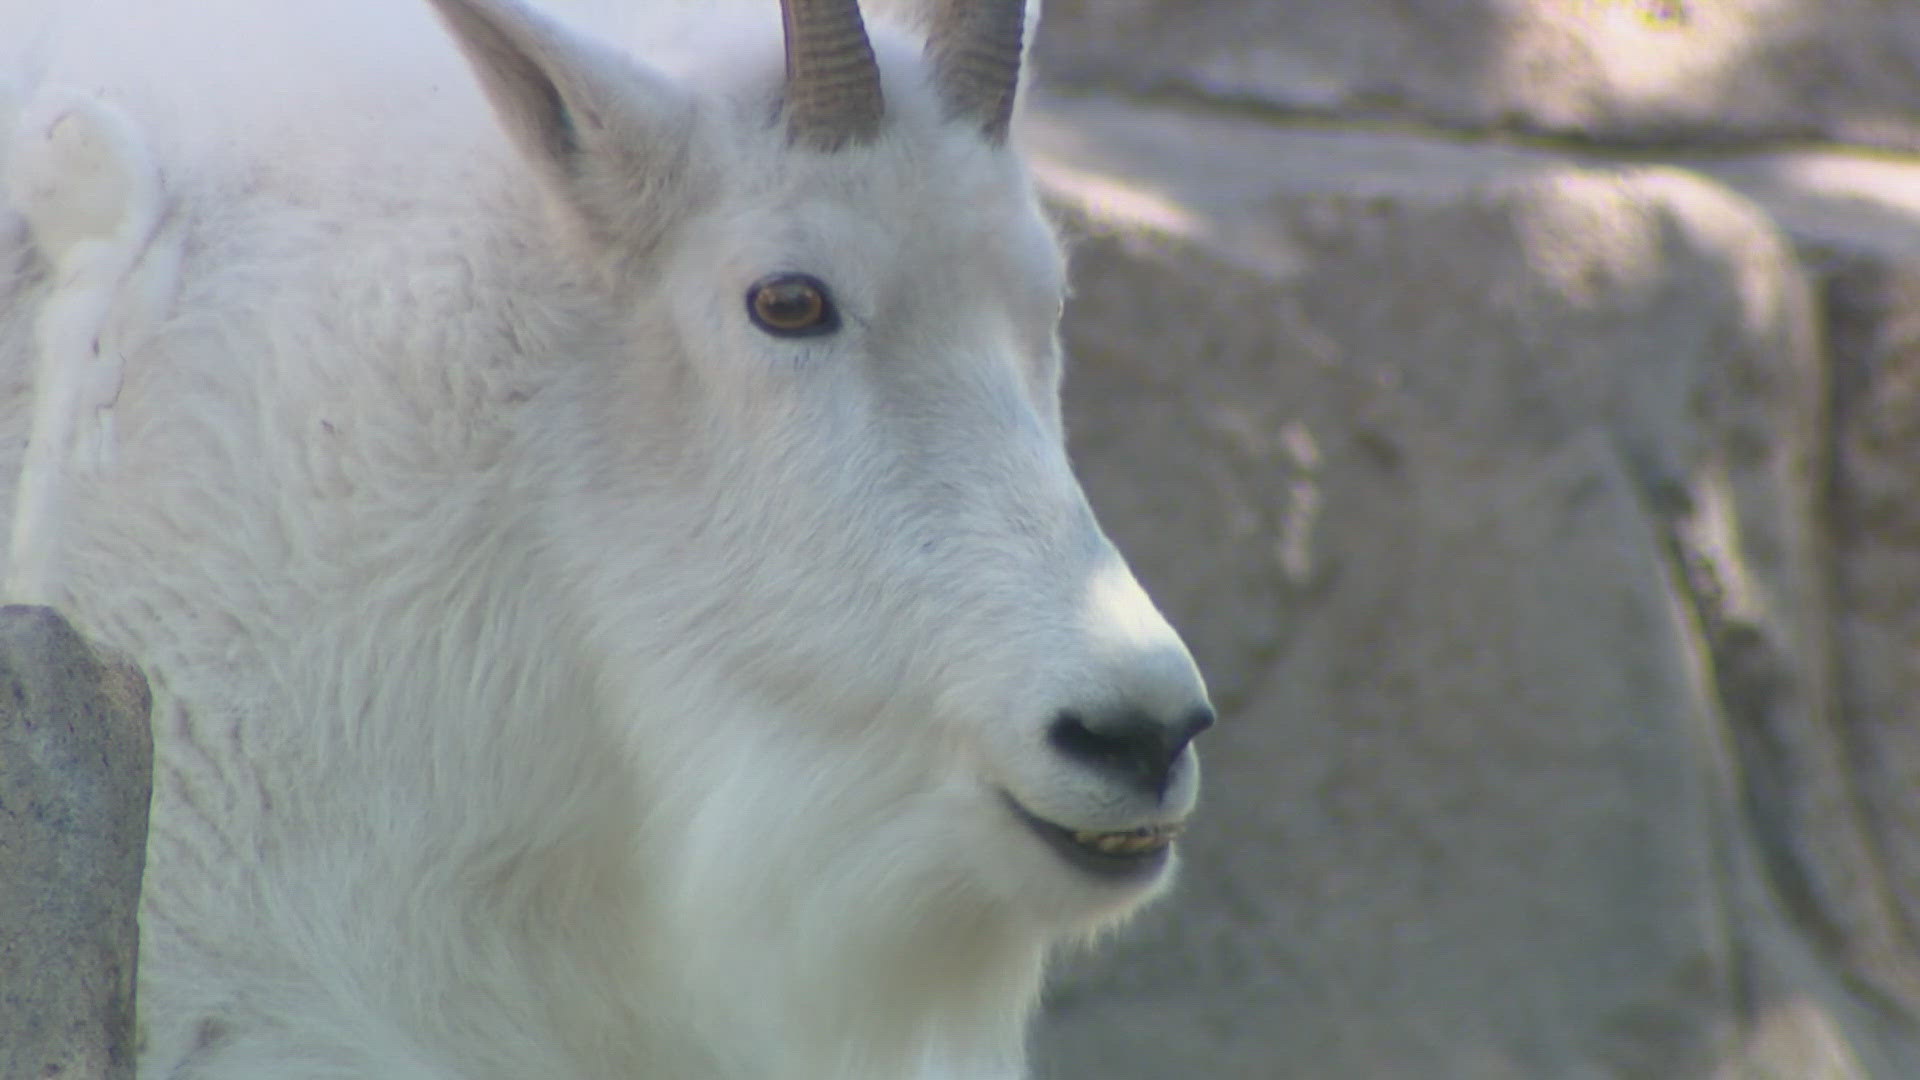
(1613, 70)
(1491, 486)
(75, 775)
(1855, 220)
(1875, 331)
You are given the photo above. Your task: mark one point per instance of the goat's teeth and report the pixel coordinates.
(1128, 842)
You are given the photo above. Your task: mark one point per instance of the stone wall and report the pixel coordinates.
(1718, 71)
(76, 759)
(1543, 511)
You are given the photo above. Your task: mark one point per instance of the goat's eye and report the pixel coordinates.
(792, 305)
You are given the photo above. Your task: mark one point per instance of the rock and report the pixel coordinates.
(1485, 486)
(1855, 220)
(1627, 70)
(1832, 202)
(75, 774)
(1874, 328)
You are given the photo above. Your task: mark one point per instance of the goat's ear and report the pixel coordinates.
(611, 136)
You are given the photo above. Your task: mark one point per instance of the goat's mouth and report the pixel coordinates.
(1119, 855)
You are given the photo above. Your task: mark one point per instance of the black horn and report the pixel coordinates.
(974, 46)
(833, 83)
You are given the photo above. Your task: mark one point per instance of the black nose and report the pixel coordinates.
(1129, 745)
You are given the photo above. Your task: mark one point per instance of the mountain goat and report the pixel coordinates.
(592, 509)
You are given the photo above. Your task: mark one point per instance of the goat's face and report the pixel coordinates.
(815, 498)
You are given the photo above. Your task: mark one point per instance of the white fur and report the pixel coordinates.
(555, 675)
(76, 170)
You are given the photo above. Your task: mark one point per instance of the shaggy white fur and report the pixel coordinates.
(76, 170)
(557, 674)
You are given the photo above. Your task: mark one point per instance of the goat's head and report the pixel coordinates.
(808, 484)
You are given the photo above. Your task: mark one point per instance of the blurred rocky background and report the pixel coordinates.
(1517, 404)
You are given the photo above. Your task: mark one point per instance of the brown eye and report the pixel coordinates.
(792, 305)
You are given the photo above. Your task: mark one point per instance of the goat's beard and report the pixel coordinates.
(824, 900)
(833, 872)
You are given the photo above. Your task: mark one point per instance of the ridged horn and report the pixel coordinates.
(974, 47)
(833, 83)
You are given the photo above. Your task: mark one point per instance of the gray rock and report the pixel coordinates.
(1874, 328)
(1634, 70)
(1486, 487)
(1855, 220)
(75, 774)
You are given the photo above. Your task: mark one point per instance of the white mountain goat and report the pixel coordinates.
(598, 532)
